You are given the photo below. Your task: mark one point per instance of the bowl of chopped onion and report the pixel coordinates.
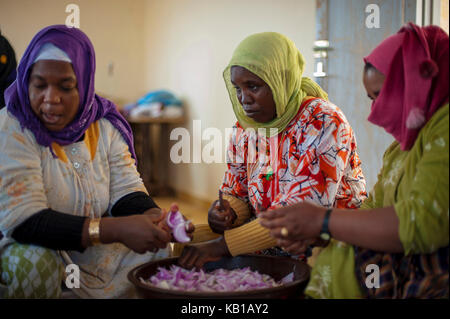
(246, 276)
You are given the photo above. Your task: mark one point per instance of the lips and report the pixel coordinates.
(250, 111)
(50, 118)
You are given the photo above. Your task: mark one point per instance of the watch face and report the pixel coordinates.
(325, 236)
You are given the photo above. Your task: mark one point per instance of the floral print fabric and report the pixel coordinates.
(313, 159)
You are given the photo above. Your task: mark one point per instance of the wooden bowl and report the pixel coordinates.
(276, 267)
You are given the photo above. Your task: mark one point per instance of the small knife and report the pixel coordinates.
(221, 201)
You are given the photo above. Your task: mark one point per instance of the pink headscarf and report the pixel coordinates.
(415, 62)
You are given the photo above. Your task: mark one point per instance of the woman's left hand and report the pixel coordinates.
(155, 212)
(160, 219)
(302, 222)
(190, 226)
(198, 254)
(295, 247)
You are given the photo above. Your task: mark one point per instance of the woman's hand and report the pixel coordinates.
(198, 254)
(155, 212)
(300, 247)
(221, 219)
(302, 221)
(295, 247)
(375, 229)
(140, 233)
(162, 223)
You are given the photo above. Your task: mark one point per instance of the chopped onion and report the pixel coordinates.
(288, 278)
(177, 278)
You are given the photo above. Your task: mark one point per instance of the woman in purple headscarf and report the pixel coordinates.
(69, 189)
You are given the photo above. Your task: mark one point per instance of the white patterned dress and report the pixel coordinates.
(86, 179)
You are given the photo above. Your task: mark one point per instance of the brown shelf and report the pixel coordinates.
(157, 120)
(153, 153)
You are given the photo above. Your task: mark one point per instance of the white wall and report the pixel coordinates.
(188, 45)
(179, 45)
(115, 28)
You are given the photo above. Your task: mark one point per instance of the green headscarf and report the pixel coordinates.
(277, 61)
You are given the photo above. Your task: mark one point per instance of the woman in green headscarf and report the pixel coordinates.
(290, 144)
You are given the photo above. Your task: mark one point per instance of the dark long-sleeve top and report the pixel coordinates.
(60, 231)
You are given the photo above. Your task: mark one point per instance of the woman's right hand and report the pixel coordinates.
(141, 233)
(219, 219)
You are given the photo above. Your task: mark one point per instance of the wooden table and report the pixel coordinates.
(151, 142)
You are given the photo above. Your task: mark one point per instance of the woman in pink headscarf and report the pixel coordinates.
(396, 244)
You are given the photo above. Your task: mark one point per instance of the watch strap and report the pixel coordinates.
(326, 219)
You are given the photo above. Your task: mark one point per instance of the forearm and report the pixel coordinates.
(375, 229)
(108, 231)
(52, 229)
(133, 203)
(248, 238)
(59, 231)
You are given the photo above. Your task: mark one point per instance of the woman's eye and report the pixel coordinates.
(39, 86)
(253, 87)
(67, 89)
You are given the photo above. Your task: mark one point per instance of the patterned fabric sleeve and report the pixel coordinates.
(21, 183)
(326, 153)
(424, 212)
(235, 181)
(124, 177)
(352, 191)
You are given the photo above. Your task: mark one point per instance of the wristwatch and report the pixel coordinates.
(325, 232)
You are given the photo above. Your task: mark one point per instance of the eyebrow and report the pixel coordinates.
(68, 78)
(248, 82)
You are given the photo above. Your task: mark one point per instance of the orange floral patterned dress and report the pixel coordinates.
(313, 159)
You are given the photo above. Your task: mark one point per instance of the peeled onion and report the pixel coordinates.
(174, 218)
(176, 222)
(179, 233)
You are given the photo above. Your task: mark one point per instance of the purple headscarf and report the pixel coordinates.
(92, 107)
